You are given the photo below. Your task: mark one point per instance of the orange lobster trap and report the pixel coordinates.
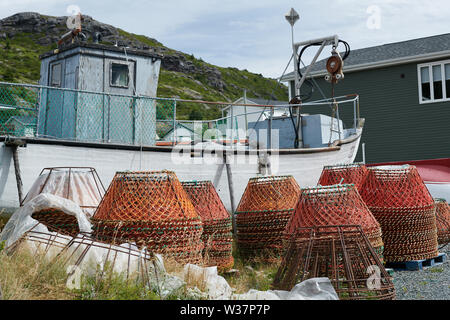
(151, 209)
(354, 173)
(217, 234)
(401, 203)
(442, 221)
(335, 205)
(263, 213)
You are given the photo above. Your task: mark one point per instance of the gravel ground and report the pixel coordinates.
(432, 283)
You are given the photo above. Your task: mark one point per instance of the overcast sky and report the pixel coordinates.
(253, 34)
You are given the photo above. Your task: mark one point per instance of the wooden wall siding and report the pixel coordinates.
(397, 127)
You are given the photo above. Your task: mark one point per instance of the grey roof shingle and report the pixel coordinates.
(386, 52)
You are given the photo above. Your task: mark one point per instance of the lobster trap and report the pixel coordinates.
(82, 185)
(335, 205)
(152, 209)
(354, 173)
(217, 225)
(442, 221)
(401, 203)
(263, 213)
(341, 253)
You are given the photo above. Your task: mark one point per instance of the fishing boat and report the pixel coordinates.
(96, 106)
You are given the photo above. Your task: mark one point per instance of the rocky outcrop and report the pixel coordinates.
(50, 29)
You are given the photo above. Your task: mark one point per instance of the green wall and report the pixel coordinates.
(397, 127)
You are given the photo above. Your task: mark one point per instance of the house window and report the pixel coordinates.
(119, 75)
(56, 75)
(434, 81)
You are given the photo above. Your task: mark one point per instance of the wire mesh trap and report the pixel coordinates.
(217, 234)
(82, 253)
(401, 203)
(354, 173)
(151, 209)
(335, 205)
(82, 185)
(263, 213)
(442, 221)
(341, 253)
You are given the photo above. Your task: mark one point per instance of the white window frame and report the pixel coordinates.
(52, 75)
(430, 66)
(110, 75)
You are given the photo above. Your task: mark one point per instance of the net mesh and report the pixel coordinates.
(341, 253)
(152, 209)
(263, 213)
(335, 205)
(58, 221)
(354, 173)
(217, 236)
(442, 221)
(401, 203)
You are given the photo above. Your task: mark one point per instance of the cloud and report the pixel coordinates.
(250, 34)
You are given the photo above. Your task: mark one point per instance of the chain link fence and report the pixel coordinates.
(47, 112)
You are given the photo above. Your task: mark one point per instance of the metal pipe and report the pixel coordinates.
(328, 40)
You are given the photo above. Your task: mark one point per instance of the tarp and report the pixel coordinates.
(217, 288)
(21, 221)
(79, 186)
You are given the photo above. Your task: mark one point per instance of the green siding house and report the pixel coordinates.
(404, 91)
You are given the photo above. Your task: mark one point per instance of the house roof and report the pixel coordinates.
(258, 101)
(103, 47)
(388, 54)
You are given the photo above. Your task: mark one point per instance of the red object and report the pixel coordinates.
(334, 205)
(434, 170)
(354, 173)
(401, 203)
(217, 236)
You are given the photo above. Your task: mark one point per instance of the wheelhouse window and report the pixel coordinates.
(434, 81)
(119, 75)
(56, 75)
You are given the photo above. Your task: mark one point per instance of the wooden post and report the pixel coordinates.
(14, 144)
(230, 190)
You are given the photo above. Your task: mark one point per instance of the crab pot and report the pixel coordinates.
(81, 185)
(354, 173)
(401, 203)
(341, 253)
(217, 234)
(335, 205)
(151, 209)
(262, 215)
(442, 221)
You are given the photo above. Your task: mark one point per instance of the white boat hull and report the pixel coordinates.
(305, 166)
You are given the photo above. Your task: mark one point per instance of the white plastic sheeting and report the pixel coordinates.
(21, 221)
(79, 186)
(216, 287)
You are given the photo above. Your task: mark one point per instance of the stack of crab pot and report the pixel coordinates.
(335, 205)
(262, 215)
(401, 203)
(217, 225)
(442, 221)
(354, 173)
(153, 210)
